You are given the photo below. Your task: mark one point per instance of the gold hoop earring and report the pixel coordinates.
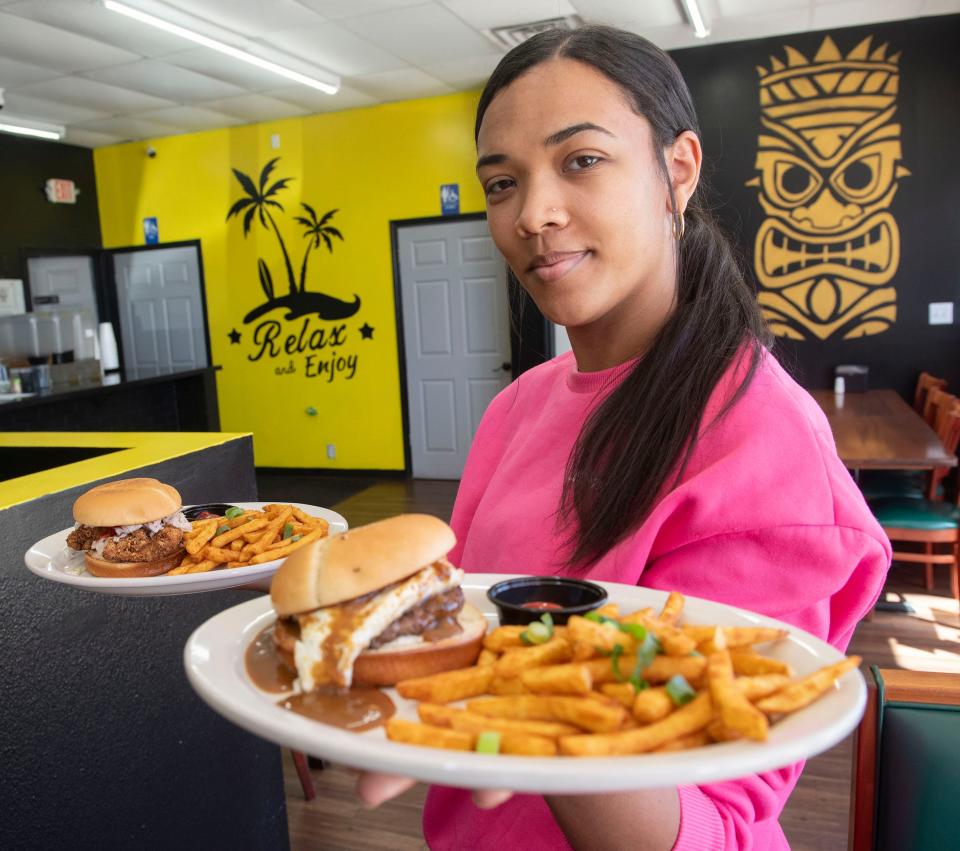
(678, 232)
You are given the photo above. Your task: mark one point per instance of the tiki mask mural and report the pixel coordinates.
(828, 166)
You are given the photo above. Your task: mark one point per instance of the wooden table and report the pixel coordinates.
(877, 430)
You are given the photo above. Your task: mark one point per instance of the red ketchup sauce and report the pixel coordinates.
(540, 605)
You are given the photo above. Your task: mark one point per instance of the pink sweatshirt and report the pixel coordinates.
(765, 517)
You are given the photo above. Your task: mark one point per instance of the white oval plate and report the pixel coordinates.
(52, 559)
(214, 659)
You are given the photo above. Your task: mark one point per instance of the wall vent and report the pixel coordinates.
(511, 36)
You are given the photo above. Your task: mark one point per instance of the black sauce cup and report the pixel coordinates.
(513, 598)
(217, 509)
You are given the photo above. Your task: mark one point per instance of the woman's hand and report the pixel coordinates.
(375, 789)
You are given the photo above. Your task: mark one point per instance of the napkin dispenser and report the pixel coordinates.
(855, 377)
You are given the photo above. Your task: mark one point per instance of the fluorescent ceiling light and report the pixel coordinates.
(330, 85)
(696, 19)
(29, 127)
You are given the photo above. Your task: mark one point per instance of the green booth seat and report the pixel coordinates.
(889, 484)
(919, 514)
(906, 769)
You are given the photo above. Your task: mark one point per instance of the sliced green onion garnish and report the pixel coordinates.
(222, 529)
(680, 690)
(547, 619)
(647, 651)
(232, 512)
(615, 661)
(287, 530)
(488, 742)
(592, 616)
(295, 538)
(634, 629)
(638, 683)
(538, 633)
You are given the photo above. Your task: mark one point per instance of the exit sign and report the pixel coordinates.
(61, 191)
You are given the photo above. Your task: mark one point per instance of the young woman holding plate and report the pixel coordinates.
(669, 448)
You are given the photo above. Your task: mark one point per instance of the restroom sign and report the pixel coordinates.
(450, 199)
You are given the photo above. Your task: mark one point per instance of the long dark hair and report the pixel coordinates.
(646, 428)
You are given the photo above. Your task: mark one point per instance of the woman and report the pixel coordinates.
(669, 449)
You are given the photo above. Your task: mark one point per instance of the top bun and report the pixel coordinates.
(126, 502)
(358, 562)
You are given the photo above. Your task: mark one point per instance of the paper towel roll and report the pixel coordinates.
(109, 357)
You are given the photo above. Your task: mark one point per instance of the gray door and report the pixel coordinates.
(456, 338)
(160, 303)
(62, 282)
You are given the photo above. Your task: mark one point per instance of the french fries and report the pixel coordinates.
(252, 537)
(596, 688)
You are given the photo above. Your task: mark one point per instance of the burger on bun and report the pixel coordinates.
(129, 528)
(375, 605)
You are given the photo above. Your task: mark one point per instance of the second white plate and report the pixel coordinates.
(52, 559)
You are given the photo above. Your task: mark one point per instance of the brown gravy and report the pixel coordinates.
(264, 665)
(355, 709)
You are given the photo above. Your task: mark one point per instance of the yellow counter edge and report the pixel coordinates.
(135, 449)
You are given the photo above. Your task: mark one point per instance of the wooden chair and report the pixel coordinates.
(905, 766)
(925, 383)
(930, 522)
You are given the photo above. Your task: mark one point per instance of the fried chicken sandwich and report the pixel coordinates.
(129, 528)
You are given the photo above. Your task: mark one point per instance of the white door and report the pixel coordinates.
(160, 302)
(456, 338)
(62, 282)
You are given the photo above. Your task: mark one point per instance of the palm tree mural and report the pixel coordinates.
(298, 302)
(317, 230)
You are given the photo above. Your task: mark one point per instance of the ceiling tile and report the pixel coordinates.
(193, 118)
(331, 46)
(744, 27)
(399, 85)
(464, 73)
(939, 7)
(90, 139)
(422, 34)
(220, 67)
(732, 8)
(93, 95)
(250, 18)
(315, 101)
(255, 107)
(502, 13)
(128, 127)
(39, 44)
(640, 15)
(159, 78)
(13, 73)
(853, 13)
(91, 19)
(58, 113)
(337, 10)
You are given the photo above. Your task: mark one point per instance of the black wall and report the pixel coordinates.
(103, 743)
(724, 83)
(27, 219)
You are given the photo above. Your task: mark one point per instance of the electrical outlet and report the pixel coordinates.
(331, 450)
(941, 312)
(275, 141)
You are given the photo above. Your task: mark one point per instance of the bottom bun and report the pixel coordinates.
(132, 569)
(389, 665)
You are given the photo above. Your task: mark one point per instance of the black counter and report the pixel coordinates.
(104, 744)
(176, 401)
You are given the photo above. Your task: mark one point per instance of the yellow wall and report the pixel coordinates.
(374, 165)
